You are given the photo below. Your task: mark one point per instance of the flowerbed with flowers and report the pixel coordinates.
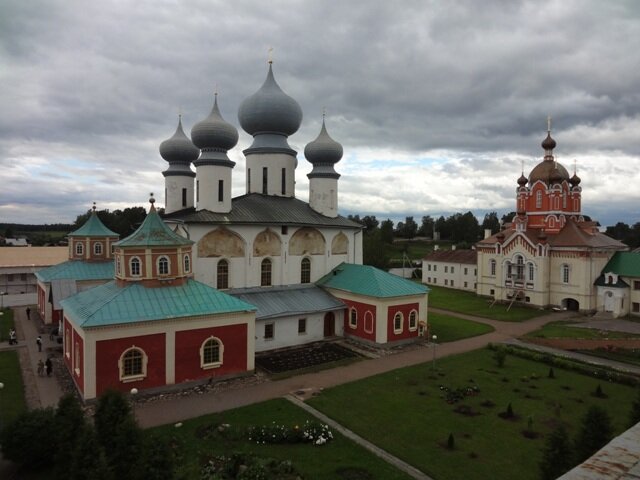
(311, 432)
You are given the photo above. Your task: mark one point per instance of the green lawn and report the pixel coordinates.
(564, 330)
(450, 329)
(624, 355)
(12, 401)
(469, 303)
(405, 413)
(6, 323)
(199, 439)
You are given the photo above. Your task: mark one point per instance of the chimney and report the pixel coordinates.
(487, 232)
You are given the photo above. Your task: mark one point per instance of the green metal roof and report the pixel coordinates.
(110, 304)
(624, 263)
(153, 233)
(93, 228)
(77, 270)
(370, 281)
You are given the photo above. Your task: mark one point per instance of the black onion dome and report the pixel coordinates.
(575, 180)
(522, 181)
(270, 110)
(323, 149)
(548, 143)
(178, 148)
(214, 132)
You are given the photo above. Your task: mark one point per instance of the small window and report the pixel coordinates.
(79, 248)
(435, 268)
(222, 275)
(446, 269)
(452, 283)
(249, 180)
(531, 272)
(492, 267)
(302, 326)
(184, 197)
(197, 190)
(269, 331)
(465, 270)
(635, 307)
(211, 353)
(429, 267)
(118, 265)
(446, 281)
(353, 318)
(435, 280)
(135, 267)
(429, 279)
(465, 284)
(220, 190)
(453, 270)
(133, 364)
(265, 273)
(23, 277)
(283, 189)
(67, 343)
(76, 358)
(265, 180)
(475, 272)
(187, 264)
(413, 320)
(492, 292)
(305, 271)
(97, 248)
(284, 229)
(565, 273)
(636, 284)
(163, 266)
(397, 323)
(539, 199)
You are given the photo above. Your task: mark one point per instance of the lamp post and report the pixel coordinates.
(1, 387)
(134, 392)
(2, 294)
(434, 338)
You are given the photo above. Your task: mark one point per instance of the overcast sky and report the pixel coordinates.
(438, 105)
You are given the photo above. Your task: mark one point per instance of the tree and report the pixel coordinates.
(29, 439)
(355, 218)
(443, 228)
(491, 222)
(386, 231)
(408, 229)
(123, 222)
(426, 226)
(375, 251)
(89, 461)
(634, 414)
(595, 433)
(69, 424)
(508, 217)
(157, 461)
(556, 455)
(370, 223)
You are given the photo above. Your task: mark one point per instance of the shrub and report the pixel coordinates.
(551, 373)
(311, 432)
(634, 414)
(29, 440)
(500, 356)
(595, 433)
(556, 455)
(451, 442)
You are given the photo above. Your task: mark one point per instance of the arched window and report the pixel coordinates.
(305, 271)
(133, 364)
(97, 248)
(76, 358)
(134, 266)
(519, 268)
(565, 273)
(265, 273)
(163, 266)
(492, 267)
(211, 353)
(539, 199)
(413, 320)
(118, 265)
(353, 318)
(368, 322)
(67, 343)
(531, 272)
(79, 248)
(187, 264)
(397, 323)
(222, 275)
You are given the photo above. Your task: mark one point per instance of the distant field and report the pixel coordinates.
(469, 303)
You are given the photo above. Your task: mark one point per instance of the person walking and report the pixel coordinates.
(13, 340)
(49, 366)
(39, 342)
(28, 313)
(40, 368)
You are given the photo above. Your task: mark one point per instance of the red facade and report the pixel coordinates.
(361, 310)
(108, 352)
(405, 310)
(187, 353)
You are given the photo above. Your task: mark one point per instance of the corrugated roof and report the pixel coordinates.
(61, 289)
(77, 270)
(93, 228)
(255, 208)
(370, 281)
(276, 302)
(32, 256)
(454, 256)
(153, 233)
(624, 263)
(110, 304)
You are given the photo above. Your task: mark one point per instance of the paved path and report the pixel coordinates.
(612, 325)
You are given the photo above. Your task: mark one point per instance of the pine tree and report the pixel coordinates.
(69, 423)
(556, 455)
(595, 433)
(89, 461)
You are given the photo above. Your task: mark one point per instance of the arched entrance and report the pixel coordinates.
(571, 304)
(329, 325)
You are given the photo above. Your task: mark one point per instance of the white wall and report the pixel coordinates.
(286, 331)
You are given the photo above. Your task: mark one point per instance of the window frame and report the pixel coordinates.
(302, 326)
(305, 270)
(565, 274)
(163, 260)
(186, 263)
(272, 327)
(266, 274)
(398, 317)
(413, 320)
(97, 248)
(353, 318)
(492, 267)
(123, 376)
(203, 353)
(135, 260)
(222, 274)
(79, 248)
(368, 315)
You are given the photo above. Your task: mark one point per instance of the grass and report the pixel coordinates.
(316, 462)
(624, 355)
(565, 330)
(450, 329)
(470, 304)
(12, 402)
(6, 323)
(411, 419)
(415, 249)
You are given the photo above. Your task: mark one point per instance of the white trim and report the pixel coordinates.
(370, 330)
(353, 324)
(398, 330)
(132, 378)
(217, 364)
(160, 258)
(415, 313)
(139, 274)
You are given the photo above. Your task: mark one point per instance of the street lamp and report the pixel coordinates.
(2, 294)
(134, 392)
(434, 338)
(1, 387)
